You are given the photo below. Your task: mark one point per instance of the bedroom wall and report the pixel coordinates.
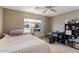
(47, 24)
(59, 21)
(1, 20)
(15, 19)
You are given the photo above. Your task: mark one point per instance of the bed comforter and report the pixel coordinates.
(23, 44)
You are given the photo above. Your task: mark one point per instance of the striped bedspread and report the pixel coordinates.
(23, 44)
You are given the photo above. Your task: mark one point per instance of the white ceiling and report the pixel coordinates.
(31, 9)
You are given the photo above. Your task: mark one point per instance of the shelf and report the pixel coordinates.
(72, 24)
(74, 28)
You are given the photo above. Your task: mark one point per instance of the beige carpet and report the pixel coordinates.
(60, 48)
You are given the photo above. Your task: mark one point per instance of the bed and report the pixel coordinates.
(23, 44)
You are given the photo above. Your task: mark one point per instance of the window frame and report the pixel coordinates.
(32, 23)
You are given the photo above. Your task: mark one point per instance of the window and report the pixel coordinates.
(26, 25)
(31, 25)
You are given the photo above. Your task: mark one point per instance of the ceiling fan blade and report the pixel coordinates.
(38, 7)
(53, 10)
(53, 7)
(45, 11)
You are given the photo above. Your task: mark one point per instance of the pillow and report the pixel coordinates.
(15, 32)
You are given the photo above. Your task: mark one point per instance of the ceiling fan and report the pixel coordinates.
(47, 8)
